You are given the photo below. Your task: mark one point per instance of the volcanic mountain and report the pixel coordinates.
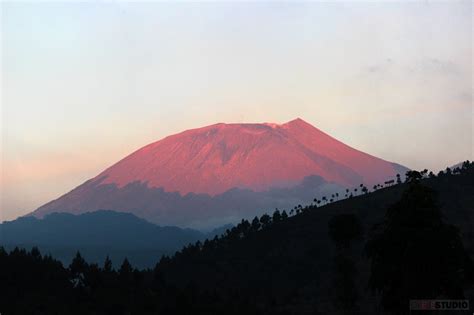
(222, 166)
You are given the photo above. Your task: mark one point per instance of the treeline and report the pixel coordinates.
(245, 227)
(31, 283)
(307, 260)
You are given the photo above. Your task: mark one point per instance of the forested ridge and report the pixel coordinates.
(339, 255)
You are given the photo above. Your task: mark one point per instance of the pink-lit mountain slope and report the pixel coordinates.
(217, 158)
(214, 159)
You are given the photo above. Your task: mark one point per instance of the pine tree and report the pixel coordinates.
(107, 264)
(78, 269)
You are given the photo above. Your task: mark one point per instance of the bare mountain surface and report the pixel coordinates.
(226, 171)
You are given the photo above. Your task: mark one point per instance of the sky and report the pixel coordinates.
(85, 84)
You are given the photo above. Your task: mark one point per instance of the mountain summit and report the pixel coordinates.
(216, 159)
(219, 157)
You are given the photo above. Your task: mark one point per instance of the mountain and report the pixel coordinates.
(224, 172)
(98, 234)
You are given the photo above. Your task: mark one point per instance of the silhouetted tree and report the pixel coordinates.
(424, 173)
(78, 269)
(125, 268)
(399, 179)
(465, 165)
(448, 171)
(107, 264)
(364, 190)
(276, 216)
(413, 176)
(265, 220)
(414, 254)
(256, 224)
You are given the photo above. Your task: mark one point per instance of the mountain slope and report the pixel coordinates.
(201, 170)
(216, 158)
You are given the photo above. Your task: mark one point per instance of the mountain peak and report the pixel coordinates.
(299, 124)
(220, 157)
(296, 121)
(215, 160)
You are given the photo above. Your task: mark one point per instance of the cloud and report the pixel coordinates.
(429, 66)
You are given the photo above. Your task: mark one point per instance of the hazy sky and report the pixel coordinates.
(85, 84)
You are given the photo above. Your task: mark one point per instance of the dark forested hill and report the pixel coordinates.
(289, 263)
(411, 240)
(96, 235)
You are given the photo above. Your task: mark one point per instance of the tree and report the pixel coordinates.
(242, 229)
(414, 176)
(265, 220)
(35, 253)
(255, 224)
(465, 165)
(414, 254)
(78, 269)
(125, 273)
(399, 179)
(107, 264)
(284, 215)
(424, 173)
(276, 216)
